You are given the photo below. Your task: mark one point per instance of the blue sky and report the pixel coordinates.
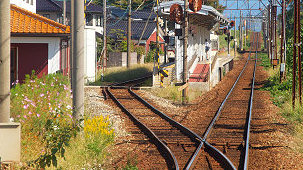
(243, 4)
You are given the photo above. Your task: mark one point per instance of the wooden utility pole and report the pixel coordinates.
(294, 57)
(4, 61)
(185, 69)
(78, 57)
(129, 33)
(282, 72)
(104, 38)
(299, 51)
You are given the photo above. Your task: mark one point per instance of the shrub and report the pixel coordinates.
(43, 107)
(98, 135)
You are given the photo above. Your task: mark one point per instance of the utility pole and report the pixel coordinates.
(274, 12)
(235, 39)
(165, 44)
(241, 32)
(299, 51)
(104, 37)
(129, 32)
(185, 69)
(78, 57)
(64, 12)
(10, 149)
(282, 65)
(5, 61)
(294, 57)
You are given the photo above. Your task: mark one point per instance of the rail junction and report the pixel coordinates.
(224, 143)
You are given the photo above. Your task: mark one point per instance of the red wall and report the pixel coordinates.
(153, 37)
(32, 56)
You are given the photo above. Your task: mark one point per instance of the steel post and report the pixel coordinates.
(185, 69)
(129, 34)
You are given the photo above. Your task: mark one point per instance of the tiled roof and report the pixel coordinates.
(57, 6)
(24, 21)
(136, 28)
(140, 14)
(47, 6)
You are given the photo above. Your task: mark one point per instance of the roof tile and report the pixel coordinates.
(24, 21)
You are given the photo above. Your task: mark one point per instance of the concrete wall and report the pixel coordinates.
(26, 4)
(196, 48)
(118, 59)
(89, 54)
(53, 49)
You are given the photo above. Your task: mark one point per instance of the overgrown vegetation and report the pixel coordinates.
(120, 74)
(172, 93)
(49, 133)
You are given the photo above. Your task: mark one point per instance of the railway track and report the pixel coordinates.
(226, 140)
(178, 146)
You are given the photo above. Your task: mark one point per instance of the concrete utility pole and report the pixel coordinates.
(294, 57)
(129, 32)
(299, 51)
(10, 132)
(185, 69)
(78, 57)
(282, 47)
(241, 32)
(64, 12)
(4, 61)
(104, 36)
(235, 39)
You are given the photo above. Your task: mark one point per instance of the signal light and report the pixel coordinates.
(232, 23)
(224, 30)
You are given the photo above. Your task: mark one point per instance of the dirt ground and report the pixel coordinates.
(271, 139)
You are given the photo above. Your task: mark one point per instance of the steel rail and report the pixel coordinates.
(162, 147)
(224, 159)
(250, 111)
(182, 128)
(148, 131)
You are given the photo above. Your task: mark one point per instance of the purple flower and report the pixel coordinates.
(25, 116)
(18, 115)
(70, 116)
(41, 95)
(29, 113)
(38, 115)
(25, 106)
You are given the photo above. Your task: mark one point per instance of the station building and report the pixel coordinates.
(205, 70)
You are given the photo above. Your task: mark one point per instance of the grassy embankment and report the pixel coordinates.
(281, 94)
(120, 74)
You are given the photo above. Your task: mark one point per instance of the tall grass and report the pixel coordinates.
(120, 74)
(49, 137)
(281, 95)
(172, 93)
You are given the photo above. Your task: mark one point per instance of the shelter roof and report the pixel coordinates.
(199, 16)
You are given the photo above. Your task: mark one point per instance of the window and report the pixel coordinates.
(98, 20)
(89, 19)
(46, 15)
(60, 18)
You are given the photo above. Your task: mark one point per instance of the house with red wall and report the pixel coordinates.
(143, 32)
(38, 44)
